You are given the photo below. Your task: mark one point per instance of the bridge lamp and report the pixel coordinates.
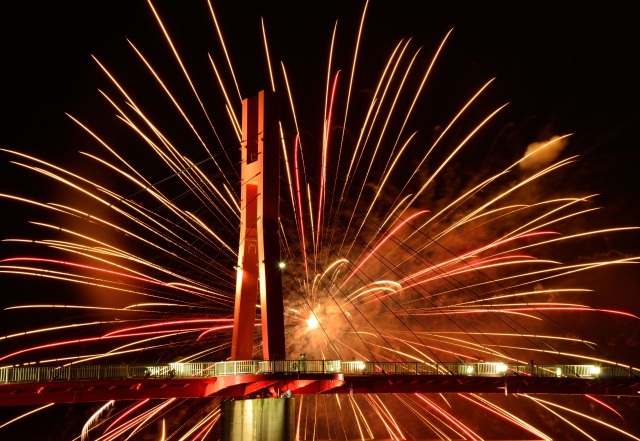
(469, 370)
(594, 370)
(501, 368)
(281, 265)
(558, 372)
(332, 365)
(360, 365)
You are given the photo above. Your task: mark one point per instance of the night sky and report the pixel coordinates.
(564, 67)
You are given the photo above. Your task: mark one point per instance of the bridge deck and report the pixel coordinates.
(30, 385)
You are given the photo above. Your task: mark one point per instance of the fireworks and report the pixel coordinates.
(397, 244)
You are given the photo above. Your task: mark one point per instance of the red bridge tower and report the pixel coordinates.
(259, 253)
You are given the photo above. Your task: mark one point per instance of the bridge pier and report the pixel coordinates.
(259, 419)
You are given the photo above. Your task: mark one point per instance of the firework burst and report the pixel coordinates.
(398, 243)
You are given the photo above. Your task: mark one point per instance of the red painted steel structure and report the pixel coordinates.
(246, 386)
(259, 253)
(261, 385)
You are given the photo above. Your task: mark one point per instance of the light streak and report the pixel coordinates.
(94, 418)
(582, 415)
(483, 255)
(482, 402)
(382, 241)
(226, 53)
(387, 416)
(299, 199)
(202, 427)
(26, 414)
(603, 404)
(360, 418)
(127, 412)
(135, 423)
(459, 426)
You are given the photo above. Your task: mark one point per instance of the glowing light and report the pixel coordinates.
(312, 322)
(594, 370)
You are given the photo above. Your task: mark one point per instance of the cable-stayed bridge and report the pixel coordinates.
(29, 385)
(274, 377)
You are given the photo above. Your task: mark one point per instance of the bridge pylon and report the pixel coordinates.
(258, 269)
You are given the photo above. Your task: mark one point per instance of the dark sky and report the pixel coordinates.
(572, 61)
(568, 66)
(565, 67)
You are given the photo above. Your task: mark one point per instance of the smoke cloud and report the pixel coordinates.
(539, 154)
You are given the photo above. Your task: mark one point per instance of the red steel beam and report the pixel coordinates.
(484, 384)
(239, 386)
(18, 394)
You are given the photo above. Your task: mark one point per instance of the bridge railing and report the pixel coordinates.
(35, 374)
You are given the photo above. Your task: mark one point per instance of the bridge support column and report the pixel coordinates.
(260, 419)
(259, 252)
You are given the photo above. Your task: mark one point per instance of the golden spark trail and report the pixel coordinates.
(171, 97)
(480, 401)
(376, 148)
(381, 242)
(126, 412)
(94, 196)
(266, 52)
(25, 415)
(224, 47)
(595, 420)
(351, 82)
(393, 158)
(364, 134)
(449, 418)
(187, 77)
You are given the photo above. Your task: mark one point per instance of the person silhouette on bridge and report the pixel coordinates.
(303, 363)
